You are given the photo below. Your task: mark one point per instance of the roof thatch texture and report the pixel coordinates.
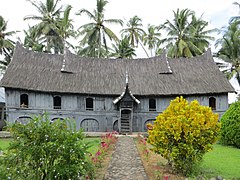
(151, 76)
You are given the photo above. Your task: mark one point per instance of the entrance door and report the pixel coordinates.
(126, 121)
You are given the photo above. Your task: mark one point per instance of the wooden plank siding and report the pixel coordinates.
(104, 113)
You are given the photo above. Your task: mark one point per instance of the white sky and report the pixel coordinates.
(154, 12)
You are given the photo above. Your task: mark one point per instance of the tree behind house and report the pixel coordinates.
(6, 44)
(95, 33)
(186, 34)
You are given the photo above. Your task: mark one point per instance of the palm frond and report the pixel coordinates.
(114, 21)
(33, 17)
(110, 34)
(88, 13)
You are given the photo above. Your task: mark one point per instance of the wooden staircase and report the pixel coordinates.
(125, 125)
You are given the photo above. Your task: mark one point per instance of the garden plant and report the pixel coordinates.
(230, 130)
(183, 133)
(107, 144)
(43, 149)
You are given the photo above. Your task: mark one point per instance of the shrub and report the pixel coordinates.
(45, 150)
(183, 133)
(230, 130)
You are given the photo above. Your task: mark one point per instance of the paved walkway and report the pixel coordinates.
(126, 163)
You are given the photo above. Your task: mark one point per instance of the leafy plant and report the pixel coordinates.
(183, 133)
(230, 130)
(43, 149)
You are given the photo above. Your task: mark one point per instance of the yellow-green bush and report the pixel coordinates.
(183, 133)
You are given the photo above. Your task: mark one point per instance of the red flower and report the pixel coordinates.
(98, 153)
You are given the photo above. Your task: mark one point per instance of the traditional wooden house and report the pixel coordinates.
(108, 94)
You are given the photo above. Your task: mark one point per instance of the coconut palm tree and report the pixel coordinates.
(5, 62)
(96, 32)
(186, 34)
(134, 32)
(91, 51)
(200, 34)
(6, 44)
(178, 40)
(230, 50)
(31, 40)
(123, 49)
(45, 29)
(152, 38)
(64, 30)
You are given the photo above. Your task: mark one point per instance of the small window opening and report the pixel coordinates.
(212, 103)
(24, 101)
(57, 102)
(152, 104)
(89, 104)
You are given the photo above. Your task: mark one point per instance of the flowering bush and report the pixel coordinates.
(107, 144)
(45, 150)
(143, 146)
(183, 133)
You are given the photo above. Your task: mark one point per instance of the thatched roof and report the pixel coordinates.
(151, 76)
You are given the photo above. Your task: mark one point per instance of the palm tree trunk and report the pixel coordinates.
(48, 44)
(105, 44)
(99, 44)
(143, 48)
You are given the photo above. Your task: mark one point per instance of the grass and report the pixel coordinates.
(93, 144)
(4, 143)
(223, 161)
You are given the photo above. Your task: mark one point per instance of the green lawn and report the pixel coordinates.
(223, 161)
(4, 143)
(92, 143)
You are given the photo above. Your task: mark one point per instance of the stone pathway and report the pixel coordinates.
(126, 163)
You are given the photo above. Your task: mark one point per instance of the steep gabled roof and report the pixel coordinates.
(150, 76)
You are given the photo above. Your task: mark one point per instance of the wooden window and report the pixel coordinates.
(212, 103)
(89, 104)
(152, 104)
(24, 101)
(57, 102)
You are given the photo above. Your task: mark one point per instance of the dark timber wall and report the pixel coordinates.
(104, 116)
